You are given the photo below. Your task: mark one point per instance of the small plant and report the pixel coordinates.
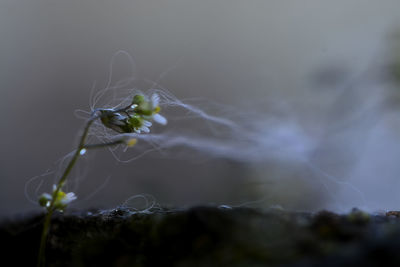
(134, 118)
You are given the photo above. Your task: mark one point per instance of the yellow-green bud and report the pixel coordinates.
(138, 99)
(136, 121)
(44, 200)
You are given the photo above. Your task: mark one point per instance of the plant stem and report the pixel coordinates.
(50, 209)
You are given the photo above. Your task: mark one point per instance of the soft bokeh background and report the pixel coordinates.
(324, 66)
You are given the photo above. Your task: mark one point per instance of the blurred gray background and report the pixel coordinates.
(331, 65)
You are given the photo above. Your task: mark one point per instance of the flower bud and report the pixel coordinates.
(44, 200)
(131, 142)
(138, 99)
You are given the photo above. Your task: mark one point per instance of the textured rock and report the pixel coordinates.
(207, 236)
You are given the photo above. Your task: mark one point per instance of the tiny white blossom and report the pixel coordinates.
(135, 118)
(61, 201)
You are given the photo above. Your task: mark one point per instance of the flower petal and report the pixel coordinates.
(155, 100)
(159, 119)
(68, 198)
(145, 129)
(147, 123)
(71, 196)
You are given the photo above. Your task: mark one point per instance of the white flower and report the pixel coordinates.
(61, 201)
(154, 102)
(135, 118)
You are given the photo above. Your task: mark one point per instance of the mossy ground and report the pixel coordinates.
(207, 236)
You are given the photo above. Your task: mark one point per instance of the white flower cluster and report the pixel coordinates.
(137, 118)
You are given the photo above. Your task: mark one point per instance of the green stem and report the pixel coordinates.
(43, 240)
(50, 209)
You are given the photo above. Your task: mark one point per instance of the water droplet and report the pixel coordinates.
(83, 151)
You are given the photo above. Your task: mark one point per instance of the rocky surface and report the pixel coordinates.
(207, 236)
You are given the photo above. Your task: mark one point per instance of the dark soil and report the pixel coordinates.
(207, 236)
